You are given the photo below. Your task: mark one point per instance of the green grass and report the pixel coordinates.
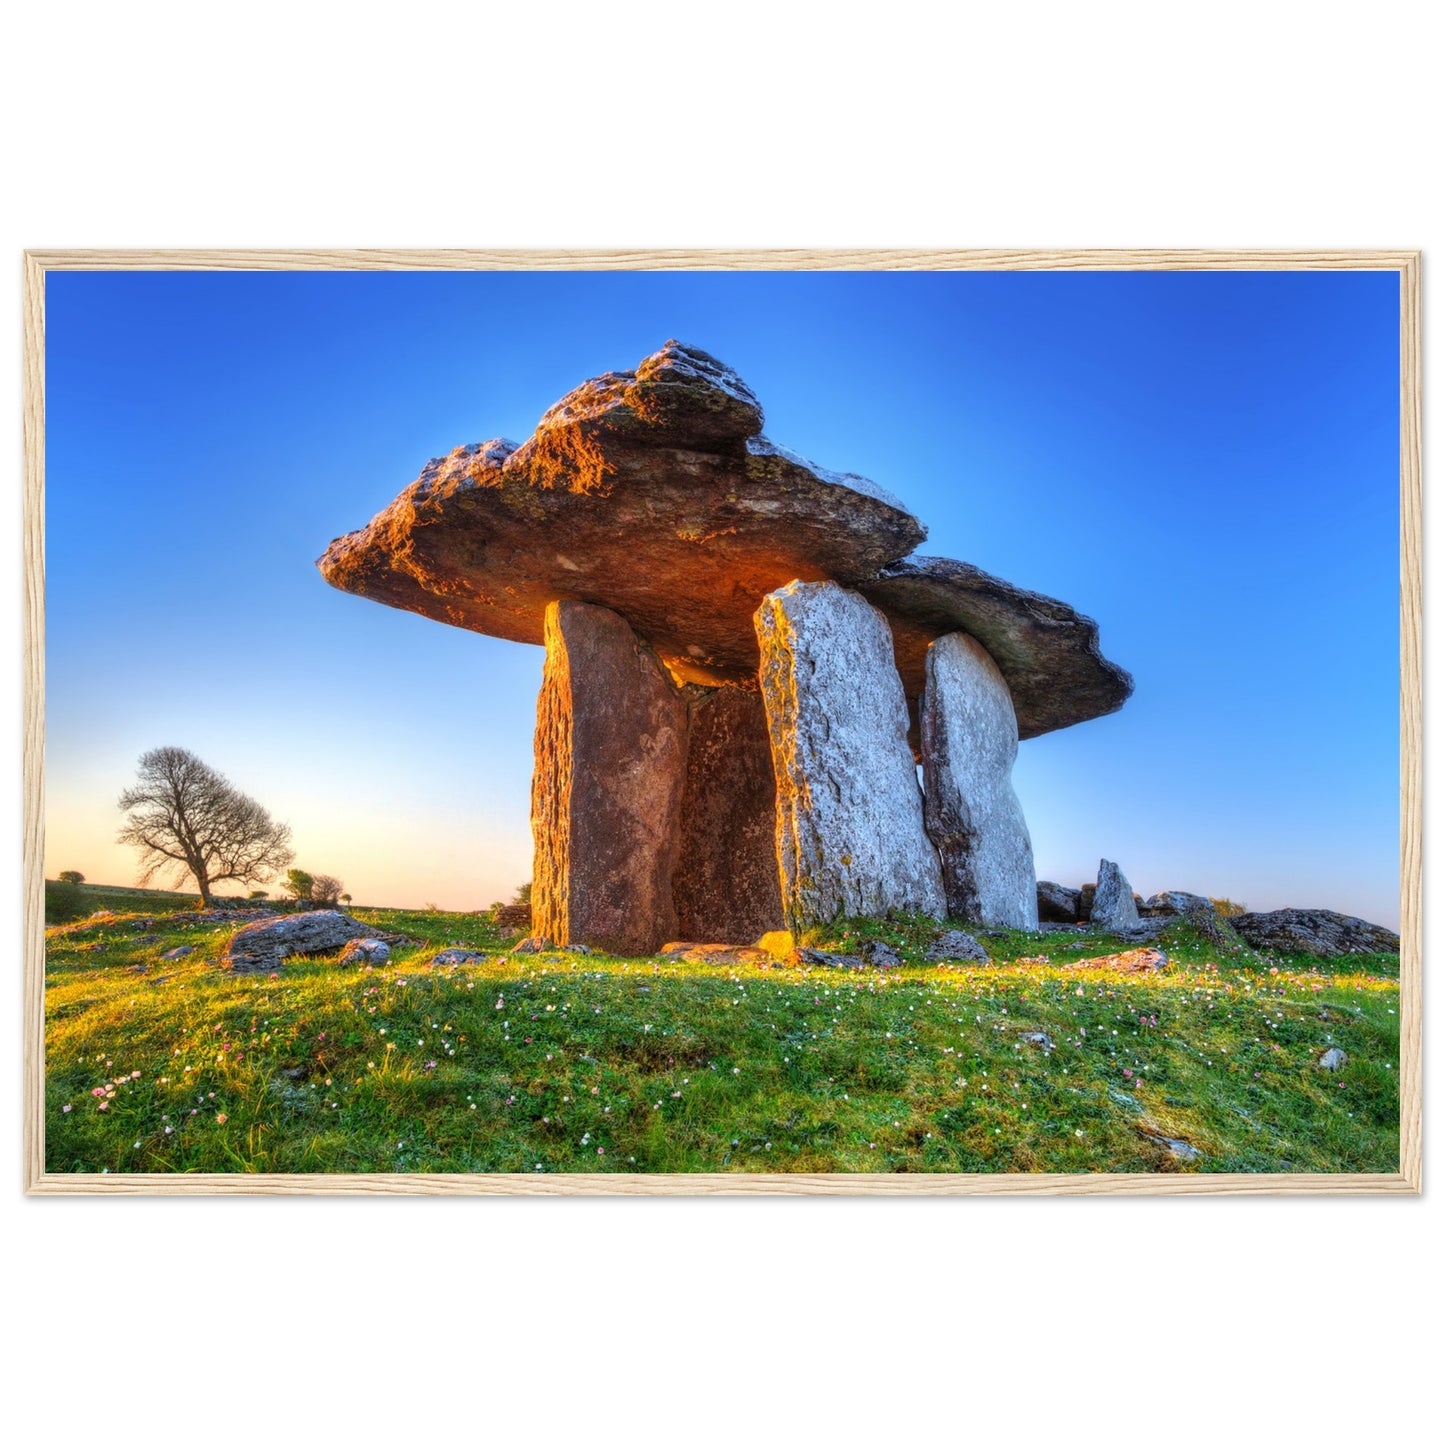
(562, 1062)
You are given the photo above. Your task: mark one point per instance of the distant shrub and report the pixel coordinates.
(325, 890)
(523, 893)
(298, 883)
(64, 902)
(258, 893)
(1228, 908)
(71, 876)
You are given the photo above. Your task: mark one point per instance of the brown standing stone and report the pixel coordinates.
(610, 761)
(726, 887)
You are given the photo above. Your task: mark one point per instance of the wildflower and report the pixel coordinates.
(220, 1118)
(65, 1108)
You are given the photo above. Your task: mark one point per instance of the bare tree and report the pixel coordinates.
(325, 890)
(187, 819)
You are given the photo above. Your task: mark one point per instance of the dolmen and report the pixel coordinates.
(760, 709)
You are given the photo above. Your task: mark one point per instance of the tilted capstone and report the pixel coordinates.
(971, 812)
(850, 837)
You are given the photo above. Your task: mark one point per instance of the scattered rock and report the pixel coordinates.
(1134, 960)
(1175, 904)
(1181, 1149)
(971, 813)
(1333, 1059)
(1113, 909)
(1314, 931)
(778, 944)
(1038, 1038)
(880, 955)
(955, 946)
(1057, 904)
(576, 948)
(180, 952)
(719, 953)
(1147, 929)
(455, 957)
(365, 950)
(534, 943)
(261, 946)
(850, 837)
(822, 958)
(611, 755)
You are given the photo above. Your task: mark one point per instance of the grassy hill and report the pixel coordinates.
(562, 1062)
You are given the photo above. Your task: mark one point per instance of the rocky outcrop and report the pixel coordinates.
(1113, 910)
(723, 954)
(607, 785)
(1316, 932)
(261, 946)
(1133, 960)
(372, 951)
(971, 813)
(665, 463)
(1057, 904)
(726, 883)
(1047, 652)
(1175, 904)
(850, 838)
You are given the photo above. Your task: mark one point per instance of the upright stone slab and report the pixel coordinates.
(1114, 907)
(971, 812)
(726, 885)
(611, 750)
(850, 837)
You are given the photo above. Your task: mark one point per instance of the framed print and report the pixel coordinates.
(723, 722)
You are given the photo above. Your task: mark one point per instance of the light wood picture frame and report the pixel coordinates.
(1406, 263)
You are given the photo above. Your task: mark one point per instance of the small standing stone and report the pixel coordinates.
(972, 814)
(1114, 910)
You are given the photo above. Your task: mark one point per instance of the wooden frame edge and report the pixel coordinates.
(1409, 1179)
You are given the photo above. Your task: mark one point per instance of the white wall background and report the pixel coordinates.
(1259, 124)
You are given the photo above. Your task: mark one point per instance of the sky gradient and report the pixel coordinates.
(1208, 464)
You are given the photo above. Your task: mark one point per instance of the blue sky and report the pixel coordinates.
(1205, 463)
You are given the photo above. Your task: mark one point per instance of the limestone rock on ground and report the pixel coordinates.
(971, 813)
(719, 953)
(825, 958)
(1333, 1060)
(955, 946)
(455, 957)
(373, 951)
(880, 955)
(261, 946)
(850, 836)
(534, 943)
(180, 952)
(1038, 1039)
(514, 915)
(726, 882)
(1134, 960)
(1175, 904)
(1057, 904)
(1113, 910)
(611, 757)
(1317, 932)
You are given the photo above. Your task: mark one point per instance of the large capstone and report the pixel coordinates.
(1114, 909)
(726, 885)
(651, 492)
(850, 837)
(1048, 653)
(611, 749)
(971, 812)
